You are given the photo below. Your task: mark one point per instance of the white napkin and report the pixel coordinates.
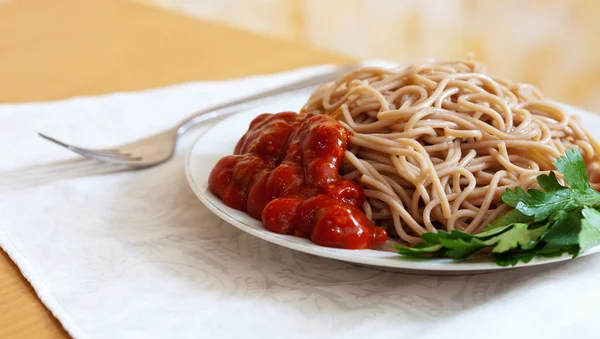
(136, 255)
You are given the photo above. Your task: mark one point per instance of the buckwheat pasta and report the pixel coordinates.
(435, 144)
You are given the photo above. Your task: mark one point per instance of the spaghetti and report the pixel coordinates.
(435, 144)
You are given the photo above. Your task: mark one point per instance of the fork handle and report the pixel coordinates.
(251, 100)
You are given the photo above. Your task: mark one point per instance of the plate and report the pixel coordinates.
(220, 139)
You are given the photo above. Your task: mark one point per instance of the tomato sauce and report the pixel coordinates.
(285, 172)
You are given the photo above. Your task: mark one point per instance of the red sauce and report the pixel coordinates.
(285, 172)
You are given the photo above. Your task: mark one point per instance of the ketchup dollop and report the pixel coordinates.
(285, 172)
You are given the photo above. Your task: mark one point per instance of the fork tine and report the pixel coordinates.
(103, 155)
(123, 160)
(95, 153)
(60, 143)
(107, 152)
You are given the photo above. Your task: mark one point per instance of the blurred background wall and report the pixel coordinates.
(553, 44)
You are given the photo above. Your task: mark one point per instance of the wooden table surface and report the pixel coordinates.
(63, 48)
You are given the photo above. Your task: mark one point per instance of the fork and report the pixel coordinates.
(160, 147)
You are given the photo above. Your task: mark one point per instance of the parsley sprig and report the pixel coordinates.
(543, 223)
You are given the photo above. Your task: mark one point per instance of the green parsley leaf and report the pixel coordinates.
(431, 238)
(573, 168)
(513, 198)
(549, 183)
(590, 230)
(565, 230)
(417, 251)
(541, 205)
(492, 231)
(513, 258)
(459, 244)
(519, 236)
(505, 220)
(550, 251)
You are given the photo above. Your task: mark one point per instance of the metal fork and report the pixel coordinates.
(158, 148)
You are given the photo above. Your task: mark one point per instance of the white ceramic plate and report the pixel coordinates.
(220, 139)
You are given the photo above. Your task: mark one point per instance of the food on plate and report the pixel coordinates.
(442, 156)
(545, 223)
(285, 172)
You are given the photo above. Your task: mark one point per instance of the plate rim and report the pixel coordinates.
(441, 265)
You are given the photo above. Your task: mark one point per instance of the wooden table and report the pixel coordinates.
(63, 48)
